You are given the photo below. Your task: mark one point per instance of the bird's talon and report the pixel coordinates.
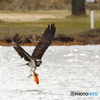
(30, 75)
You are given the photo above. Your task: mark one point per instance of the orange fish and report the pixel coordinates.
(35, 77)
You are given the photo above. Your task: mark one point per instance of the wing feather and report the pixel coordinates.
(44, 42)
(21, 51)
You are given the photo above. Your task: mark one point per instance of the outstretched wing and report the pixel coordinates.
(21, 51)
(44, 42)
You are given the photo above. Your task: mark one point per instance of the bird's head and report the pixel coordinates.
(38, 62)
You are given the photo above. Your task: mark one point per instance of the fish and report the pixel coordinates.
(35, 76)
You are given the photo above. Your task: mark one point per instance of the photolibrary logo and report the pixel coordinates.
(83, 93)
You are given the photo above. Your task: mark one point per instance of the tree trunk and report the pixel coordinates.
(78, 7)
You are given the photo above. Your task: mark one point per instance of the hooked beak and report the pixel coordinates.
(35, 76)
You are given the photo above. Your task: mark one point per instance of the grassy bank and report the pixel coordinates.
(36, 22)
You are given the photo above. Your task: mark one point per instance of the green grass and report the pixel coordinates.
(65, 23)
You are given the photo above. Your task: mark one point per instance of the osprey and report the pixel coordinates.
(34, 61)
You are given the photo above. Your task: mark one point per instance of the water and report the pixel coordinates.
(64, 69)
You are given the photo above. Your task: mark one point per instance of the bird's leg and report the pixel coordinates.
(32, 69)
(35, 72)
(30, 75)
(30, 72)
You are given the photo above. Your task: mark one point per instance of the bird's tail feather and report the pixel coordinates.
(24, 64)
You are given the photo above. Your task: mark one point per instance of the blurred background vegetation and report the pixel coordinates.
(32, 17)
(25, 5)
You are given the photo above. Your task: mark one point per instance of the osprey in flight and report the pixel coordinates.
(34, 61)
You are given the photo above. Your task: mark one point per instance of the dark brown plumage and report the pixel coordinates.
(21, 51)
(44, 42)
(42, 45)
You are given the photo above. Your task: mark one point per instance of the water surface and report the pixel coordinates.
(64, 69)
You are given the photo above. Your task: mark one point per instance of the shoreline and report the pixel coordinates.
(2, 43)
(91, 37)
